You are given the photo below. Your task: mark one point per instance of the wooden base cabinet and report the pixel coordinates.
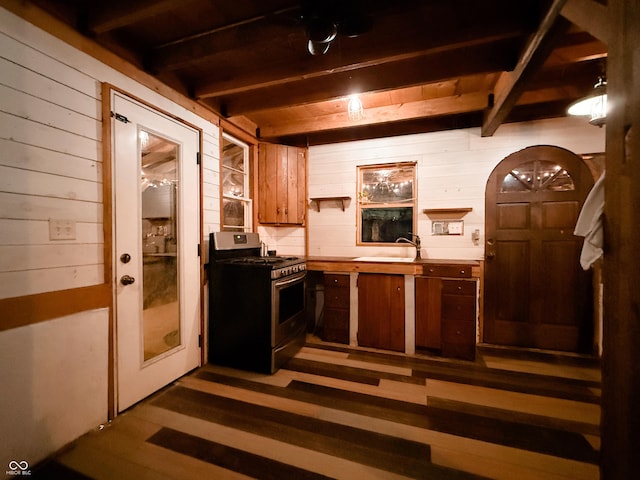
(459, 318)
(336, 308)
(381, 311)
(446, 316)
(428, 313)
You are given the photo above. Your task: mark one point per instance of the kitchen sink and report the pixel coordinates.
(383, 259)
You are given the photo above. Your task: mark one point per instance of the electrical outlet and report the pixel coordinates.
(62, 229)
(455, 227)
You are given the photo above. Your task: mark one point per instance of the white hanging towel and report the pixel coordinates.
(590, 226)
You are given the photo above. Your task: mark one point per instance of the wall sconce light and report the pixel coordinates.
(354, 108)
(594, 105)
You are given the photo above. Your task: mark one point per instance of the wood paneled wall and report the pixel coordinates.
(50, 169)
(453, 168)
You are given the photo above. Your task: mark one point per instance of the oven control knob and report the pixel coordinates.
(294, 268)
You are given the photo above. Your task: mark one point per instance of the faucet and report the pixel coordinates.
(415, 243)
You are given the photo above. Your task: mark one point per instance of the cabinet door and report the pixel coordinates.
(282, 184)
(268, 161)
(381, 311)
(428, 312)
(294, 202)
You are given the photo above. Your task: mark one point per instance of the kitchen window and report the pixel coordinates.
(234, 180)
(386, 203)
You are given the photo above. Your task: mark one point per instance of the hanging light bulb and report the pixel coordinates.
(354, 108)
(594, 105)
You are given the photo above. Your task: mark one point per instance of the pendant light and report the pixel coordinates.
(354, 108)
(594, 105)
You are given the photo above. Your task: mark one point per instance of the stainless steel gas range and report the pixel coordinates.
(256, 304)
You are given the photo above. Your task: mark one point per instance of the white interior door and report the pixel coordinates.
(157, 231)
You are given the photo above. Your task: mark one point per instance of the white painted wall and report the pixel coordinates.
(53, 384)
(453, 168)
(284, 240)
(53, 375)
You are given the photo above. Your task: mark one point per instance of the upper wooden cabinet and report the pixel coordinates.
(282, 184)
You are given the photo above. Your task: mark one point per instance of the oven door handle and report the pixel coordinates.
(290, 280)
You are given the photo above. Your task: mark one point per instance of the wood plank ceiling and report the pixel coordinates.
(419, 65)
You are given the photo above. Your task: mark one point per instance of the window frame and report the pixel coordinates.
(363, 205)
(246, 199)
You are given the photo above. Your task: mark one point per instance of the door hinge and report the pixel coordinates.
(200, 340)
(198, 249)
(198, 158)
(120, 118)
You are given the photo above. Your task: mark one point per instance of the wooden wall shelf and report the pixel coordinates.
(319, 200)
(458, 212)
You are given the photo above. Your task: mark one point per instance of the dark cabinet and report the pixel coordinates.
(381, 311)
(336, 308)
(428, 313)
(446, 311)
(459, 318)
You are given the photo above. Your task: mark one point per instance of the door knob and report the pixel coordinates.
(127, 280)
(491, 255)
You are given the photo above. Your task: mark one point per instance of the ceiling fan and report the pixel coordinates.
(325, 20)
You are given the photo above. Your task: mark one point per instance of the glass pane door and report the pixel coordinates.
(159, 192)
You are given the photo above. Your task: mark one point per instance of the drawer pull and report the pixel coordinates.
(461, 272)
(459, 288)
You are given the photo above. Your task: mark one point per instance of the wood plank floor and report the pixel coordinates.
(344, 413)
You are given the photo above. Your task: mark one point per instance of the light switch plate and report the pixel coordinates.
(447, 227)
(62, 229)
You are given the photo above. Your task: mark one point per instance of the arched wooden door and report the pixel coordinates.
(536, 293)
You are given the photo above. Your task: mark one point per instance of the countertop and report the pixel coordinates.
(416, 267)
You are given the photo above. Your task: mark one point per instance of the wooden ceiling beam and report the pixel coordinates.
(486, 58)
(413, 110)
(511, 84)
(376, 131)
(223, 41)
(320, 69)
(111, 17)
(433, 24)
(590, 16)
(580, 75)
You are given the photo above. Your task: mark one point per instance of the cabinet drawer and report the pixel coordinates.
(336, 280)
(336, 326)
(458, 307)
(336, 319)
(453, 271)
(336, 297)
(459, 287)
(459, 339)
(457, 331)
(337, 336)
